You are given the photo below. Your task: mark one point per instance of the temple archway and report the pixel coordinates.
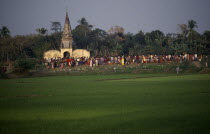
(66, 55)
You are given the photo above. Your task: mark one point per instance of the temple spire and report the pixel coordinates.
(67, 28)
(66, 41)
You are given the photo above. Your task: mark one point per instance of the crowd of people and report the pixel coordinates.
(123, 60)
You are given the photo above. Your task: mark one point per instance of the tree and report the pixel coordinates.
(56, 26)
(191, 25)
(116, 30)
(98, 42)
(41, 31)
(4, 32)
(139, 37)
(82, 33)
(184, 30)
(135, 50)
(206, 42)
(155, 34)
(149, 49)
(178, 49)
(83, 21)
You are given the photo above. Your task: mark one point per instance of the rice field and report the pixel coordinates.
(106, 104)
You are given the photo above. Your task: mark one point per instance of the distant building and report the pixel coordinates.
(66, 45)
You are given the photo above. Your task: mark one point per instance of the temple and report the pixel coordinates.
(67, 40)
(66, 50)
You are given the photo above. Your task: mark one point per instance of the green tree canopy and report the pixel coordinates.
(56, 26)
(4, 32)
(41, 31)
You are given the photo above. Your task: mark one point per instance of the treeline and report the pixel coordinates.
(106, 43)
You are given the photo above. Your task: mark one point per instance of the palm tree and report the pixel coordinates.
(191, 25)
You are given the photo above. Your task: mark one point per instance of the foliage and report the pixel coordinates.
(4, 32)
(116, 30)
(56, 26)
(29, 46)
(41, 31)
(25, 64)
(101, 43)
(81, 34)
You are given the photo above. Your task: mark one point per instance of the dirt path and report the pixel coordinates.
(26, 96)
(131, 78)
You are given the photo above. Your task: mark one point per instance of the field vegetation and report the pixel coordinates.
(106, 104)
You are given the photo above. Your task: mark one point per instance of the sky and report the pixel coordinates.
(23, 17)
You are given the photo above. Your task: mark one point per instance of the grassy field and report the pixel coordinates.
(106, 104)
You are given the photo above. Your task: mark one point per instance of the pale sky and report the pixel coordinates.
(25, 16)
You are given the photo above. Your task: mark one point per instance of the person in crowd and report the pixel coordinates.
(52, 63)
(96, 62)
(122, 60)
(206, 63)
(91, 62)
(177, 70)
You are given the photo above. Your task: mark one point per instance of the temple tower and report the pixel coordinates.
(66, 45)
(66, 41)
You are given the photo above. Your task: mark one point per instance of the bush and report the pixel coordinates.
(23, 65)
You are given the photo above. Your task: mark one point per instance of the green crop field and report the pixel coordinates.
(106, 104)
